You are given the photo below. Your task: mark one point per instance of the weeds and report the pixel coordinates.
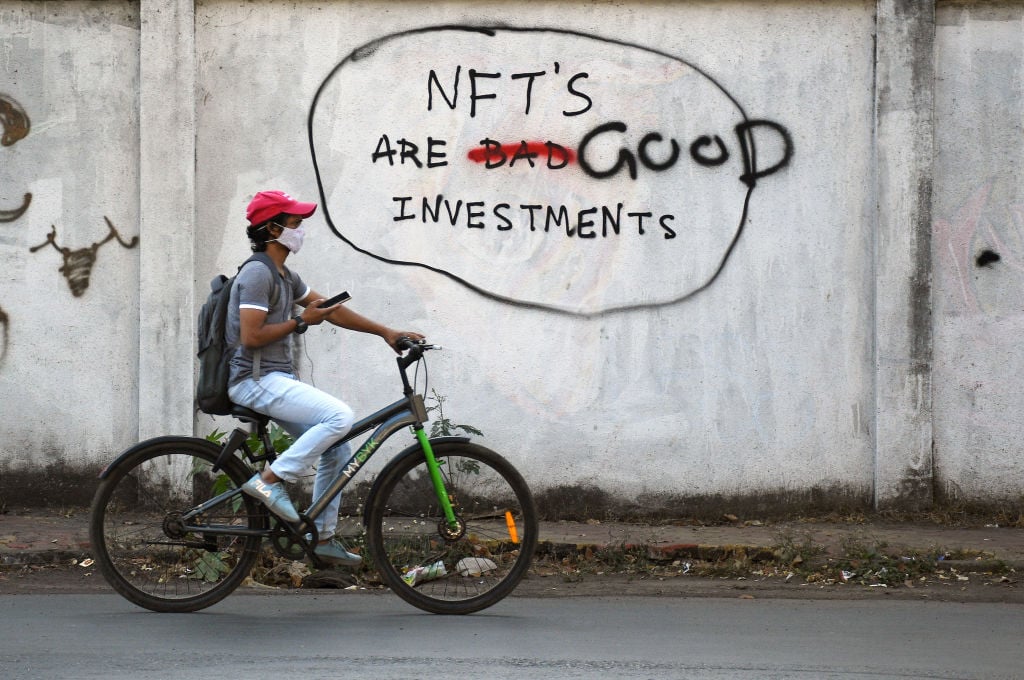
(279, 439)
(792, 557)
(442, 426)
(796, 552)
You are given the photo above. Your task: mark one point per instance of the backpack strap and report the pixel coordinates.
(275, 297)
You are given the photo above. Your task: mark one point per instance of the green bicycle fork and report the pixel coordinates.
(435, 477)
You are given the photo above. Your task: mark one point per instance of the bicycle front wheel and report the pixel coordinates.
(147, 545)
(447, 569)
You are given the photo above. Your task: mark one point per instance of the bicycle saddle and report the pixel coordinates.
(247, 415)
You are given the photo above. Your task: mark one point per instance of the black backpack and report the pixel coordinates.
(214, 352)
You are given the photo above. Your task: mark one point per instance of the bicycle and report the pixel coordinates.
(450, 525)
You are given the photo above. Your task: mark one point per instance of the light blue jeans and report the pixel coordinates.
(316, 420)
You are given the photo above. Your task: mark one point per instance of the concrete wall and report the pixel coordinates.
(744, 320)
(69, 181)
(978, 229)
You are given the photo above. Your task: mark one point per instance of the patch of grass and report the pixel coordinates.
(871, 563)
(793, 556)
(796, 551)
(737, 565)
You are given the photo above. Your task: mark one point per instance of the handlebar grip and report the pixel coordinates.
(405, 343)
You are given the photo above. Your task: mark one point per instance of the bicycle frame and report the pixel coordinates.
(407, 411)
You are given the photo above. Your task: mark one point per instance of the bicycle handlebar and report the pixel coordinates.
(414, 352)
(418, 346)
(405, 343)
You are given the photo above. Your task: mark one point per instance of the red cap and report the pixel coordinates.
(267, 204)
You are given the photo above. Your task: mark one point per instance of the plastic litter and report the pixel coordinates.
(475, 566)
(418, 575)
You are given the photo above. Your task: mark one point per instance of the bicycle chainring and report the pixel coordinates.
(174, 525)
(290, 545)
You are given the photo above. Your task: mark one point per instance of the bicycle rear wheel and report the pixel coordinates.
(138, 533)
(433, 566)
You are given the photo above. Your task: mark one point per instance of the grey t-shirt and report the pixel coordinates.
(253, 289)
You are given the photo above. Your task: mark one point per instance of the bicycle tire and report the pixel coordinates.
(406, 530)
(141, 552)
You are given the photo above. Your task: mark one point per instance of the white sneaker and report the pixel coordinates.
(333, 552)
(274, 496)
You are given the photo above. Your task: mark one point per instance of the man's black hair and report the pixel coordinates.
(259, 234)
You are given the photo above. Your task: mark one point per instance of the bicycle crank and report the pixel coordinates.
(290, 545)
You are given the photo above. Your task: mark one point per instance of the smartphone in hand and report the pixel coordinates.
(340, 297)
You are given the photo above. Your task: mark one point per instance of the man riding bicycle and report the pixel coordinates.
(260, 323)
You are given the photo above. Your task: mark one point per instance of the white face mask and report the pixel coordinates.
(292, 238)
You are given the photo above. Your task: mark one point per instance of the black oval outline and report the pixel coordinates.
(492, 30)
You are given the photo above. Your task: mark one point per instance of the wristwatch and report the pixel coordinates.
(300, 325)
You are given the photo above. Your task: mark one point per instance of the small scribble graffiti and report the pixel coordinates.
(11, 215)
(78, 264)
(14, 119)
(985, 232)
(4, 322)
(15, 127)
(987, 258)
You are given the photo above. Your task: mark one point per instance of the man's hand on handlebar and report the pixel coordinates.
(399, 340)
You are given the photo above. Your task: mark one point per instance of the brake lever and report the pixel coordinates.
(407, 344)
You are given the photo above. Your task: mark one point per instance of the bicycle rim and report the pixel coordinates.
(138, 535)
(436, 568)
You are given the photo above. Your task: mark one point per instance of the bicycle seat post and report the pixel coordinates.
(260, 428)
(263, 432)
(233, 443)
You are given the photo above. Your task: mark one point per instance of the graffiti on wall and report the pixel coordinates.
(4, 323)
(16, 127)
(78, 264)
(983, 233)
(541, 167)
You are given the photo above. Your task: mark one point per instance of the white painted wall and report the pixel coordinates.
(69, 75)
(718, 394)
(795, 374)
(979, 372)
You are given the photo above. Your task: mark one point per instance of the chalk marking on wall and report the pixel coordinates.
(78, 264)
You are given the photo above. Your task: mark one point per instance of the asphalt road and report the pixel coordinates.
(375, 635)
